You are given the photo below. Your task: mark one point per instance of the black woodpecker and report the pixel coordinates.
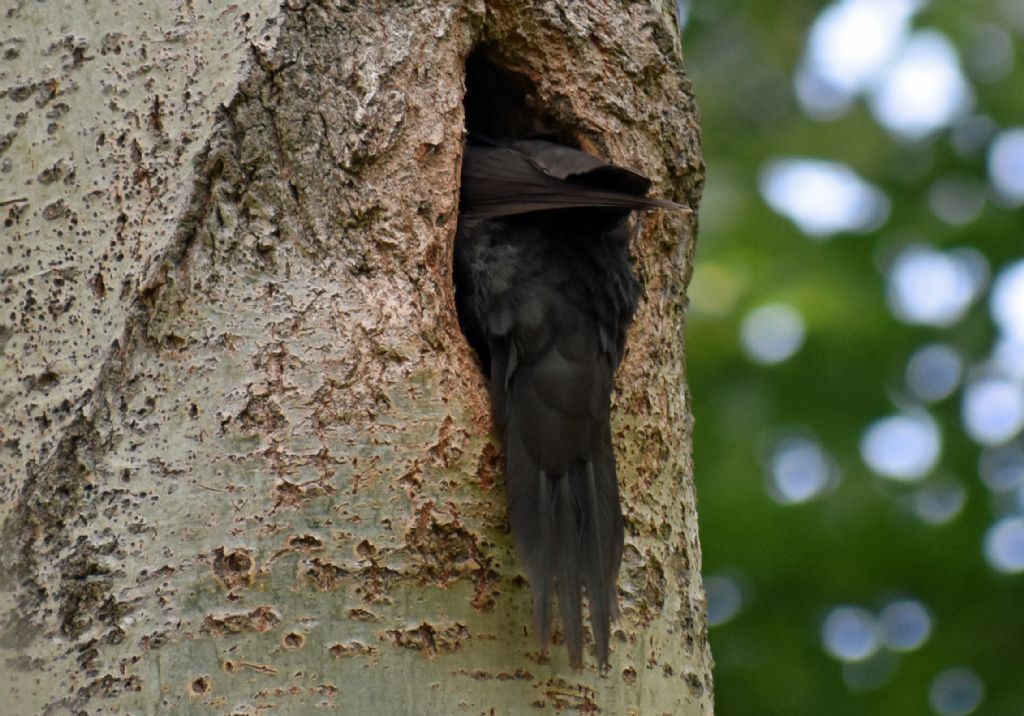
(545, 292)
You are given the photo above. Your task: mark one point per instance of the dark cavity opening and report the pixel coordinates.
(501, 103)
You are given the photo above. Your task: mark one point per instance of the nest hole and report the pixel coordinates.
(502, 103)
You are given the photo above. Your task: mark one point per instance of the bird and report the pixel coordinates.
(545, 292)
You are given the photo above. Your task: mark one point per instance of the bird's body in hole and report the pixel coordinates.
(545, 292)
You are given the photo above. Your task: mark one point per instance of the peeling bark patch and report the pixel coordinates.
(293, 641)
(231, 667)
(644, 585)
(428, 639)
(5, 140)
(61, 169)
(234, 568)
(361, 615)
(693, 681)
(445, 547)
(654, 585)
(446, 451)
(199, 686)
(261, 619)
(322, 574)
(486, 581)
(36, 532)
(328, 690)
(16, 207)
(85, 591)
(84, 605)
(353, 648)
(366, 550)
(295, 495)
(489, 465)
(56, 210)
(305, 543)
(106, 687)
(261, 415)
(44, 381)
(153, 641)
(377, 589)
(376, 581)
(570, 697)
(481, 675)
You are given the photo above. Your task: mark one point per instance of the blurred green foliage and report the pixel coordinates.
(858, 543)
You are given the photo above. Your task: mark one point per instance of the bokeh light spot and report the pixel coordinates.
(870, 674)
(849, 44)
(957, 200)
(902, 447)
(1002, 467)
(993, 410)
(1007, 301)
(972, 134)
(924, 89)
(823, 198)
(906, 624)
(800, 470)
(818, 97)
(1008, 358)
(955, 692)
(1006, 165)
(939, 502)
(682, 12)
(1012, 12)
(725, 598)
(716, 289)
(934, 287)
(934, 371)
(1004, 545)
(990, 52)
(850, 633)
(772, 333)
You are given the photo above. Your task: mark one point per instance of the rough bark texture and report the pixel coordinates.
(246, 454)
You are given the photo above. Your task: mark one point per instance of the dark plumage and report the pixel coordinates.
(545, 292)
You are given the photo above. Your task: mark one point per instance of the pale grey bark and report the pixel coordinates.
(246, 456)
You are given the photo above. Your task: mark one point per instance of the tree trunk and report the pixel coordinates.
(246, 453)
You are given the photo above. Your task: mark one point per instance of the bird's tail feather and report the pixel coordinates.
(567, 547)
(568, 531)
(540, 560)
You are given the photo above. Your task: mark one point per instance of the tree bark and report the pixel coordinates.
(246, 454)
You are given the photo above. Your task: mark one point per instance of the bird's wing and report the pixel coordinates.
(533, 175)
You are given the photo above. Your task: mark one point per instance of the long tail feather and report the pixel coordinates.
(568, 531)
(595, 560)
(567, 547)
(541, 582)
